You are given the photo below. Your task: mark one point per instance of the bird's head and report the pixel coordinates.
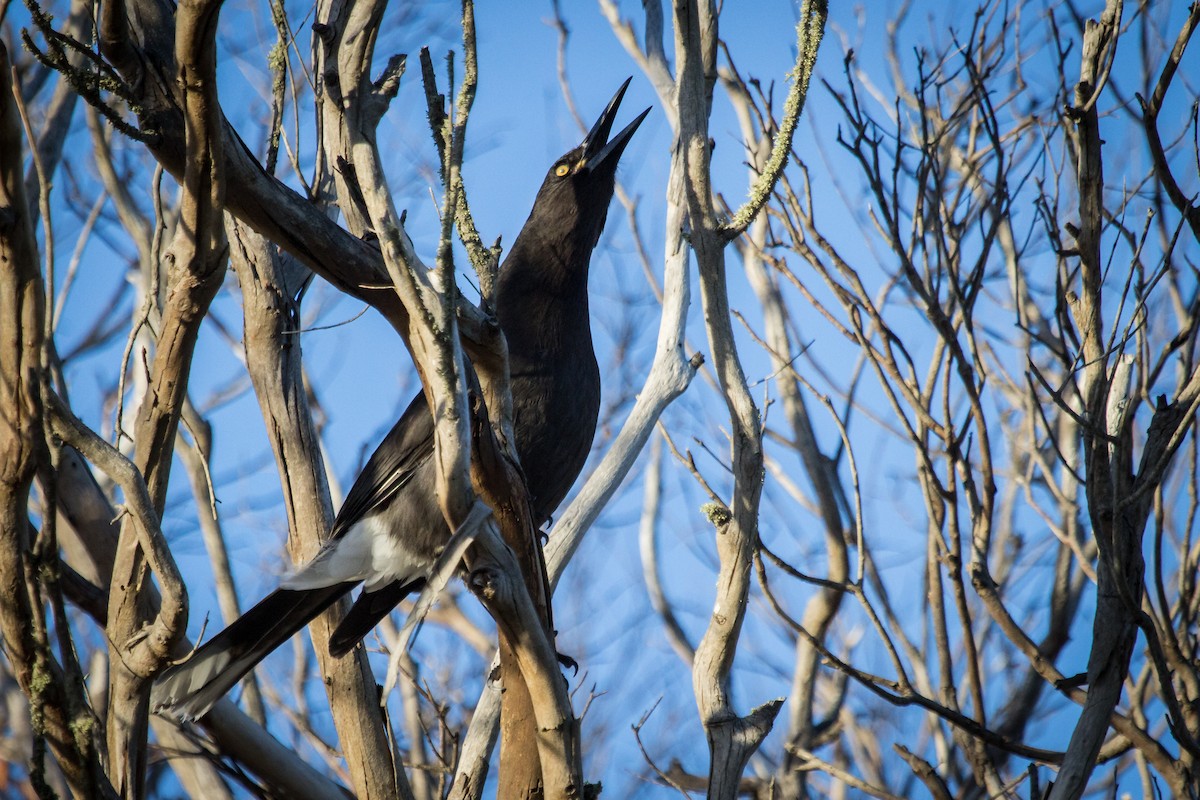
(579, 186)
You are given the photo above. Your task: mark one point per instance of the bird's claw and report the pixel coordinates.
(567, 661)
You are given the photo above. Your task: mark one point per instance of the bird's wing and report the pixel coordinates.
(407, 446)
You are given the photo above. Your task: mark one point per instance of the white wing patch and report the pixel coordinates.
(367, 552)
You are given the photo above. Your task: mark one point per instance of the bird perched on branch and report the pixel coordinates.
(390, 528)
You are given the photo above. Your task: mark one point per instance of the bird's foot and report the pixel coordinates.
(567, 661)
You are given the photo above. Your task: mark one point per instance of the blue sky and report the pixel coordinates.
(363, 377)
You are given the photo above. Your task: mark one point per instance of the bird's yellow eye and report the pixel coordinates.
(561, 170)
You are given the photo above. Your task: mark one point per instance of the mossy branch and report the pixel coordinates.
(449, 135)
(809, 32)
(87, 83)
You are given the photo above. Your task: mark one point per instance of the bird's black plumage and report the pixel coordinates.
(389, 529)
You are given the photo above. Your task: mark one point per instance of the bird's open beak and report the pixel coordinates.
(597, 147)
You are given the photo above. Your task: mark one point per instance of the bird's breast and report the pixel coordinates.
(555, 413)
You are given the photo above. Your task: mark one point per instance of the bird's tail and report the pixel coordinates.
(187, 691)
(367, 611)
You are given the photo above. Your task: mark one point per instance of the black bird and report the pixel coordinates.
(389, 529)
